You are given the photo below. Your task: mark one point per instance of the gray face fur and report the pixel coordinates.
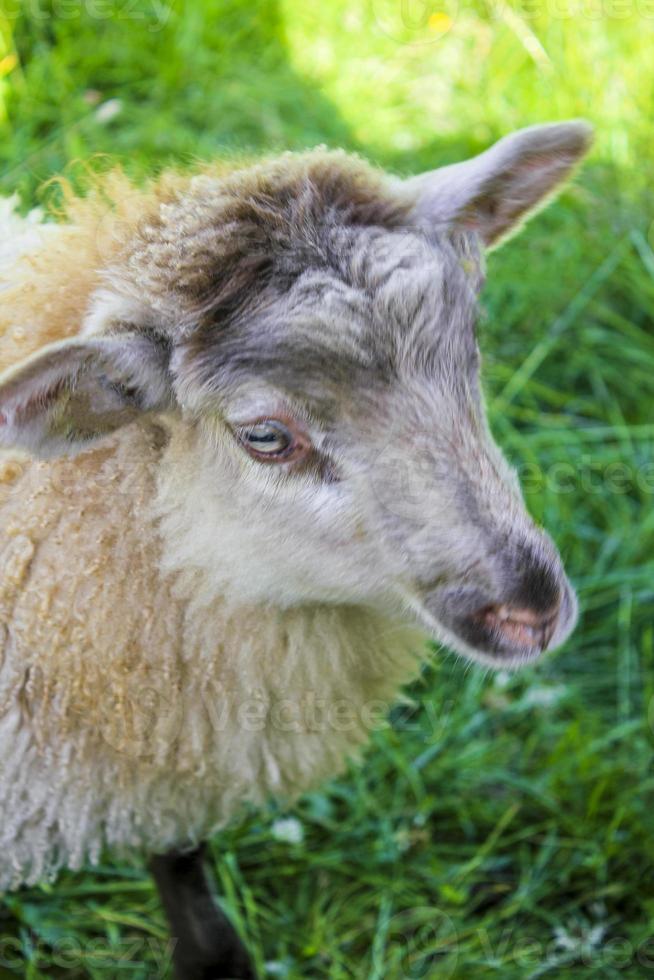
(314, 292)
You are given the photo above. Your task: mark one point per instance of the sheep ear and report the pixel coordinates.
(495, 191)
(73, 392)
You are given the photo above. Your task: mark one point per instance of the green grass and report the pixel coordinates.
(502, 826)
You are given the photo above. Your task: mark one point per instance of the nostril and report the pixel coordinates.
(539, 588)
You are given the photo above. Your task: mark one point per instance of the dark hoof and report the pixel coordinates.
(207, 947)
(217, 970)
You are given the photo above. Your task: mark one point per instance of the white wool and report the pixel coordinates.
(138, 709)
(19, 236)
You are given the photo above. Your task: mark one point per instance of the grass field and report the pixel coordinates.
(500, 826)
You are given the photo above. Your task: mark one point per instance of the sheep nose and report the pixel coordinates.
(534, 587)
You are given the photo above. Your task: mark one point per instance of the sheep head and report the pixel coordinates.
(306, 328)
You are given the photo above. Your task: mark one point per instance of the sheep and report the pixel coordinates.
(245, 471)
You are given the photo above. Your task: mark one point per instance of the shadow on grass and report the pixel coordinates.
(213, 79)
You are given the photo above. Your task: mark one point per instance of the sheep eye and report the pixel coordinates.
(269, 439)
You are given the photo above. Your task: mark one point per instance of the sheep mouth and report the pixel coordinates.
(503, 630)
(506, 635)
(498, 634)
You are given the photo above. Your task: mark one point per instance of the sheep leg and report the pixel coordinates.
(207, 945)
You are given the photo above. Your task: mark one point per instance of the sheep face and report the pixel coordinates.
(341, 454)
(307, 333)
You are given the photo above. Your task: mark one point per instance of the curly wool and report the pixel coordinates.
(138, 709)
